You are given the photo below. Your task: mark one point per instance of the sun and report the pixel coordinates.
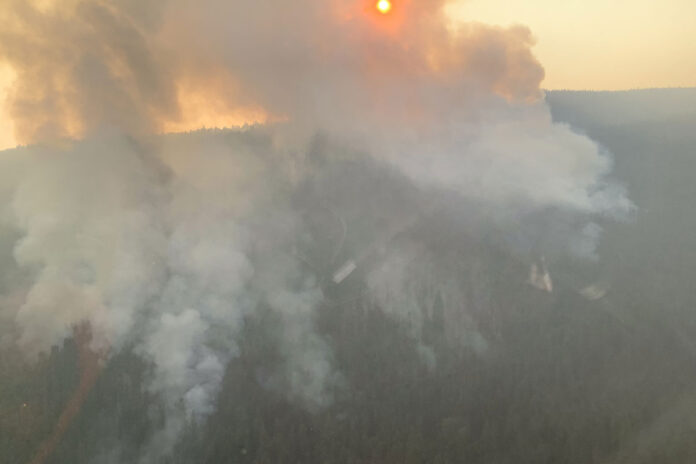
(384, 6)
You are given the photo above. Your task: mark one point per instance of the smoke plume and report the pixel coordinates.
(371, 124)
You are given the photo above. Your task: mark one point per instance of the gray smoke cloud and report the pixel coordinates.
(165, 247)
(170, 243)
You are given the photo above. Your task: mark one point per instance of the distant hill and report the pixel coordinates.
(651, 135)
(584, 108)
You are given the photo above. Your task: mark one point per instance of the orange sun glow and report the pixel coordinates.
(384, 6)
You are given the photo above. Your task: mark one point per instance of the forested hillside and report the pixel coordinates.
(515, 374)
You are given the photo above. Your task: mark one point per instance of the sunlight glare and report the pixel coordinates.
(384, 6)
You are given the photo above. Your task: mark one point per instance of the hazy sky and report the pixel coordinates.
(582, 44)
(602, 44)
(6, 136)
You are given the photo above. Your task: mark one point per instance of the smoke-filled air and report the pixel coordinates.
(218, 190)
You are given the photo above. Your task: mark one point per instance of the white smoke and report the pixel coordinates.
(166, 249)
(169, 243)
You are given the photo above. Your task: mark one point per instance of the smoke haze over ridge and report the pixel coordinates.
(168, 244)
